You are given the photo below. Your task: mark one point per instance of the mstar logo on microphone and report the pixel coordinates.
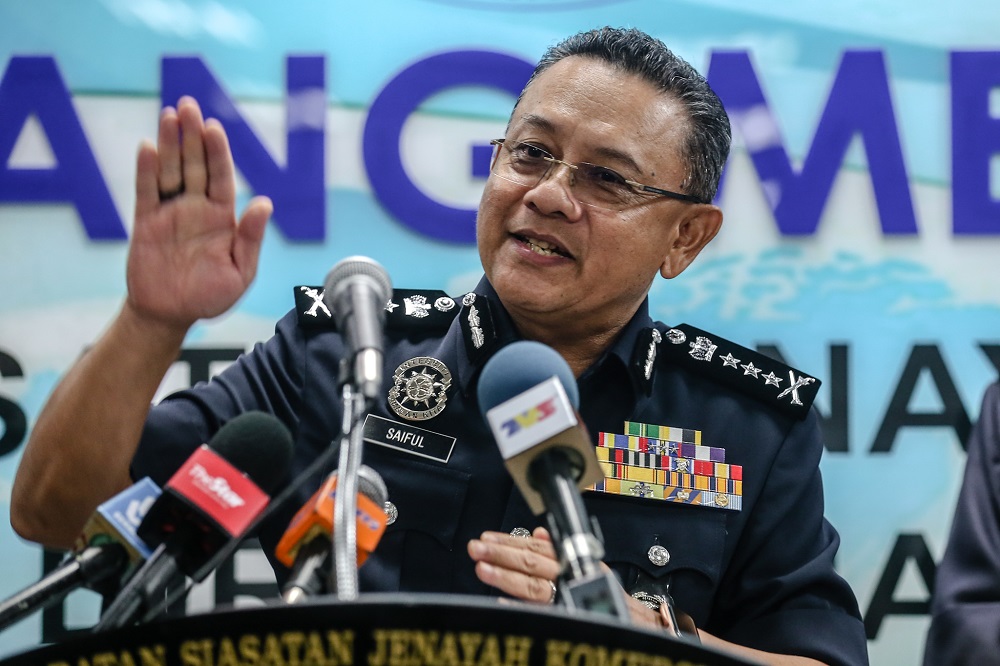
(531, 417)
(221, 491)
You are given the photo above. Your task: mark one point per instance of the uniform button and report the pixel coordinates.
(659, 555)
(391, 512)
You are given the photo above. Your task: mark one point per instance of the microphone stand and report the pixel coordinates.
(345, 529)
(583, 584)
(149, 583)
(95, 565)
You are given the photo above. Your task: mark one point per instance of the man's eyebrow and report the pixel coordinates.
(615, 155)
(537, 122)
(604, 153)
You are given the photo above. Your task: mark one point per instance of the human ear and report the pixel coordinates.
(694, 231)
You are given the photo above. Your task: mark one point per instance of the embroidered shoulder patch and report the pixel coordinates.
(779, 385)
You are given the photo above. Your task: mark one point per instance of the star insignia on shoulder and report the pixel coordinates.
(740, 368)
(729, 361)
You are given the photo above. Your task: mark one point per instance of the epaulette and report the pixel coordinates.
(783, 387)
(408, 309)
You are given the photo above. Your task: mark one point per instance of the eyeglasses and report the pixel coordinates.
(527, 165)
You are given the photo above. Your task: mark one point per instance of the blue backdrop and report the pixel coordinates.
(861, 205)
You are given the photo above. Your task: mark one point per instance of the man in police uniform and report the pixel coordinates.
(605, 178)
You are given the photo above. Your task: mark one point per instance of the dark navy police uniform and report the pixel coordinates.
(965, 611)
(761, 575)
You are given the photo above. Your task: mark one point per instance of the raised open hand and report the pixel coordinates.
(189, 258)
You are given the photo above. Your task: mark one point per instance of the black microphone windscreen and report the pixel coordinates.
(521, 366)
(258, 444)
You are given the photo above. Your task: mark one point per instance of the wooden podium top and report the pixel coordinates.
(380, 630)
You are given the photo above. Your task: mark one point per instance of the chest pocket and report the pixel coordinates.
(418, 551)
(692, 537)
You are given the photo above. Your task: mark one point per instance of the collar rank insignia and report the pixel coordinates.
(476, 321)
(408, 309)
(419, 388)
(643, 362)
(668, 464)
(781, 386)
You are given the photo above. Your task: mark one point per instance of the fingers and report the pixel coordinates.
(520, 567)
(169, 148)
(249, 235)
(642, 615)
(182, 150)
(543, 534)
(522, 547)
(193, 168)
(221, 172)
(147, 192)
(518, 585)
(194, 154)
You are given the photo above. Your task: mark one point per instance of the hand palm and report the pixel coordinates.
(181, 272)
(189, 258)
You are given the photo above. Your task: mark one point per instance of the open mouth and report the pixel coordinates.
(544, 248)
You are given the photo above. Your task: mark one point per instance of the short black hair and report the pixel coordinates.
(635, 52)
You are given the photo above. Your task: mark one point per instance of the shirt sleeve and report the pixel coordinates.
(965, 611)
(780, 592)
(268, 378)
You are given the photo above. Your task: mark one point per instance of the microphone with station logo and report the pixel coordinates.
(306, 545)
(528, 395)
(106, 552)
(208, 503)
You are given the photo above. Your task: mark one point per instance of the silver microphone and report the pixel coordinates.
(356, 291)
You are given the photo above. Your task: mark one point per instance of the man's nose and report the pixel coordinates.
(553, 194)
(556, 167)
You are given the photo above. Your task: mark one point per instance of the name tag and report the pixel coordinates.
(408, 438)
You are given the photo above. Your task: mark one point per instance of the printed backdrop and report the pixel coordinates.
(861, 208)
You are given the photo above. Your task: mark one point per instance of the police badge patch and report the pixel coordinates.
(420, 387)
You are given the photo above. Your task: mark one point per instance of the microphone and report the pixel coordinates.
(356, 291)
(305, 547)
(528, 394)
(105, 552)
(117, 521)
(209, 502)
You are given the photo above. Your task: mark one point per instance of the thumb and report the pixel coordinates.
(250, 235)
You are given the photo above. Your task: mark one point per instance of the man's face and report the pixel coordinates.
(548, 254)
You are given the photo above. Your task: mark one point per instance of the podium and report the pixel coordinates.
(380, 630)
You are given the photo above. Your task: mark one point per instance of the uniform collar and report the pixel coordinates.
(632, 350)
(486, 326)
